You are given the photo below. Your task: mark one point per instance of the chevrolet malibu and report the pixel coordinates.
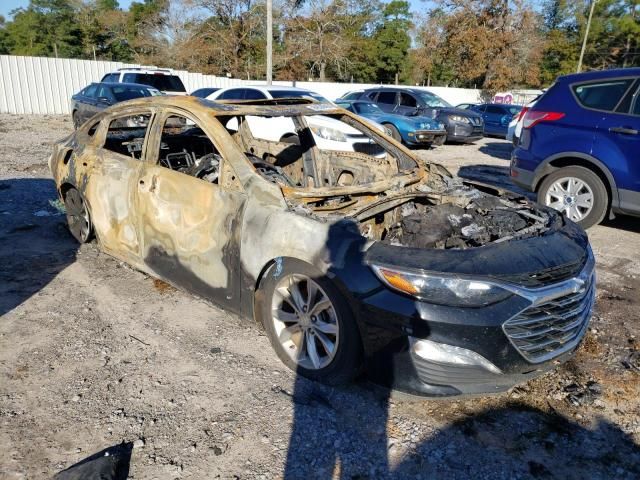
(350, 262)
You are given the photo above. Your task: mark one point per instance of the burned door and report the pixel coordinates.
(189, 222)
(111, 186)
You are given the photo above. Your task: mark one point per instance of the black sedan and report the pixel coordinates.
(98, 96)
(351, 262)
(204, 92)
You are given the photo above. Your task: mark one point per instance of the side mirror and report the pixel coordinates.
(104, 100)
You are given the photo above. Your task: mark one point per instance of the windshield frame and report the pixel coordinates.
(424, 95)
(284, 93)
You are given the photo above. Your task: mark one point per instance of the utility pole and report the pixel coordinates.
(269, 41)
(586, 34)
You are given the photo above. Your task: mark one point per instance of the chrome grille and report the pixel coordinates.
(544, 331)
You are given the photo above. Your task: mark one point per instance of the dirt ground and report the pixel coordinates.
(94, 354)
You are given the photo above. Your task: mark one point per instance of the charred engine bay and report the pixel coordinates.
(460, 216)
(485, 219)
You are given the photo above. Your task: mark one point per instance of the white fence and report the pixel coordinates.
(44, 85)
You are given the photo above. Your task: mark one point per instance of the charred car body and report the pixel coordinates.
(435, 286)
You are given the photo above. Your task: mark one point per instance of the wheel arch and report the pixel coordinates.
(578, 159)
(64, 188)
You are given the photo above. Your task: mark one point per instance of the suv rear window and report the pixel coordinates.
(162, 82)
(602, 95)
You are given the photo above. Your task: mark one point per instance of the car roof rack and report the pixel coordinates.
(146, 67)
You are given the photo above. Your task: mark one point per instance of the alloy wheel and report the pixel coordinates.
(572, 196)
(77, 215)
(305, 321)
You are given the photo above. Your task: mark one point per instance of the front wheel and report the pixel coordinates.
(578, 193)
(308, 323)
(394, 132)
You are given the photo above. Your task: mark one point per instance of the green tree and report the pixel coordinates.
(392, 40)
(4, 38)
(44, 28)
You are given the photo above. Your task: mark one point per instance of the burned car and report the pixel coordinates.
(349, 260)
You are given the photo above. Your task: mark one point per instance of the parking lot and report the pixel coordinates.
(94, 353)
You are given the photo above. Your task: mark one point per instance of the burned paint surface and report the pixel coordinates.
(271, 199)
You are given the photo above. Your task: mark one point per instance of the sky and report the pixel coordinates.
(7, 6)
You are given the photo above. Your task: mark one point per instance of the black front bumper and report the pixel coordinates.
(395, 326)
(464, 132)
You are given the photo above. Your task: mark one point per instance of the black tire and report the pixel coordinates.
(394, 132)
(600, 204)
(347, 359)
(78, 217)
(291, 138)
(75, 119)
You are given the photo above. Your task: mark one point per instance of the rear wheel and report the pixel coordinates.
(78, 217)
(308, 323)
(75, 119)
(578, 193)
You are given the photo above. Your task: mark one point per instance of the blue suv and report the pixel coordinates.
(580, 146)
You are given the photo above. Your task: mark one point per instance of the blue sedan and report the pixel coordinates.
(496, 117)
(412, 131)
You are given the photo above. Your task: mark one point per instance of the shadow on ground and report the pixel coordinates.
(35, 244)
(109, 464)
(623, 222)
(329, 440)
(501, 150)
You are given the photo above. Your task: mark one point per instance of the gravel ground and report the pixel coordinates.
(94, 353)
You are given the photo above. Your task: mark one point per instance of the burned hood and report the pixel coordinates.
(562, 251)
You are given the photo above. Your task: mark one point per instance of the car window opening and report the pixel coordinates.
(314, 151)
(185, 148)
(126, 135)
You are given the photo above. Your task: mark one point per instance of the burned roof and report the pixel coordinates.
(271, 107)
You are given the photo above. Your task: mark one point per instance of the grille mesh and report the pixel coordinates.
(545, 331)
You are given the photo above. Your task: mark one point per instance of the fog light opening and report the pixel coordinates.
(443, 353)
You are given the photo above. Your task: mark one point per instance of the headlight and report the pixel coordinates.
(442, 290)
(329, 134)
(459, 118)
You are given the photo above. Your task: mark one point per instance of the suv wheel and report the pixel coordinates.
(578, 193)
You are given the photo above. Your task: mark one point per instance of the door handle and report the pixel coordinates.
(624, 130)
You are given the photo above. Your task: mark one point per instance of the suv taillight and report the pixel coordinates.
(534, 117)
(518, 116)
